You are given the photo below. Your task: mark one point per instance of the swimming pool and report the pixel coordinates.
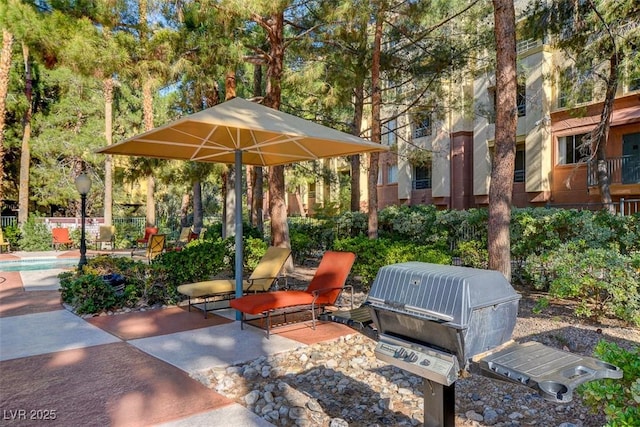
(33, 264)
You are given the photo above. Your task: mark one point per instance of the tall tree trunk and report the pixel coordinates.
(25, 154)
(257, 201)
(147, 112)
(502, 167)
(358, 109)
(376, 129)
(108, 85)
(600, 134)
(230, 85)
(257, 178)
(5, 68)
(198, 212)
(184, 209)
(274, 27)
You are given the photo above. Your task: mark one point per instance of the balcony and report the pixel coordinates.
(623, 170)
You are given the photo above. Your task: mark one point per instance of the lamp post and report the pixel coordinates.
(83, 185)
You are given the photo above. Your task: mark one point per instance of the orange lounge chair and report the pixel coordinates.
(61, 237)
(323, 290)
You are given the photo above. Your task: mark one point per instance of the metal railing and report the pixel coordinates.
(623, 207)
(621, 170)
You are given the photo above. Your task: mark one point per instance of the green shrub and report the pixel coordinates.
(352, 224)
(619, 399)
(320, 234)
(603, 281)
(87, 293)
(375, 253)
(254, 250)
(12, 235)
(302, 246)
(198, 261)
(473, 254)
(410, 223)
(35, 236)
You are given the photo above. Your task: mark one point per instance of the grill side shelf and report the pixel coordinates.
(358, 319)
(553, 373)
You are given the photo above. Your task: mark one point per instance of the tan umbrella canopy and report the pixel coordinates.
(242, 132)
(264, 136)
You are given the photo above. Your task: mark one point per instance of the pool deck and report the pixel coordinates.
(132, 369)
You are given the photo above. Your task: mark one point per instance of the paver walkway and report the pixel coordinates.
(126, 370)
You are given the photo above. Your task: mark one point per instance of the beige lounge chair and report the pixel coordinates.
(4, 243)
(106, 234)
(183, 239)
(266, 273)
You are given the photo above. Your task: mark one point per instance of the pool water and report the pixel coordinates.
(37, 264)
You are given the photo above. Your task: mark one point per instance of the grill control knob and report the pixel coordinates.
(411, 357)
(425, 362)
(400, 353)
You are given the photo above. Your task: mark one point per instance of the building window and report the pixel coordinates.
(422, 177)
(519, 170)
(389, 136)
(422, 126)
(521, 96)
(392, 174)
(312, 190)
(570, 150)
(575, 87)
(380, 177)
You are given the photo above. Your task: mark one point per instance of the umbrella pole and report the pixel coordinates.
(238, 189)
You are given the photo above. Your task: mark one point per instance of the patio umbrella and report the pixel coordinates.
(242, 132)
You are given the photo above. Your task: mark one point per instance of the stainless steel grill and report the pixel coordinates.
(439, 321)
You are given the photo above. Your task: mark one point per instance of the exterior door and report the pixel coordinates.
(631, 158)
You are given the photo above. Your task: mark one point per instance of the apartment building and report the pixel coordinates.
(550, 168)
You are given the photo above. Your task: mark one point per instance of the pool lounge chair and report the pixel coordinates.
(143, 241)
(4, 243)
(155, 247)
(106, 234)
(266, 273)
(323, 291)
(61, 237)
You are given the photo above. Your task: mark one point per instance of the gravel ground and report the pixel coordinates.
(341, 383)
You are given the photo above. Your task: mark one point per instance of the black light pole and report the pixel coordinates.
(83, 185)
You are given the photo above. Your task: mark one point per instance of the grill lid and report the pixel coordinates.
(440, 293)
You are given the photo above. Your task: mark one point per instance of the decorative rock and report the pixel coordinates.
(252, 397)
(338, 422)
(313, 405)
(490, 416)
(250, 373)
(297, 413)
(473, 416)
(515, 416)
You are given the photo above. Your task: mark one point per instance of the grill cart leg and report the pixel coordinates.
(439, 404)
